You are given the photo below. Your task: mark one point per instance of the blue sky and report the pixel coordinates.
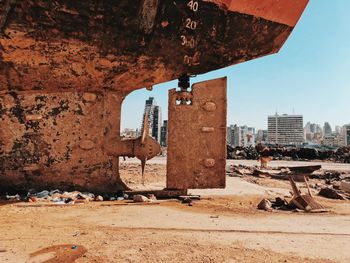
(309, 76)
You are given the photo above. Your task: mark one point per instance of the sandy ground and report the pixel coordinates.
(224, 226)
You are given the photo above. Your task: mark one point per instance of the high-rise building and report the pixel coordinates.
(338, 129)
(333, 140)
(285, 129)
(129, 133)
(327, 129)
(247, 136)
(346, 134)
(154, 118)
(261, 136)
(229, 135)
(313, 133)
(164, 134)
(240, 136)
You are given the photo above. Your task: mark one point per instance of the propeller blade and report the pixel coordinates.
(143, 164)
(145, 130)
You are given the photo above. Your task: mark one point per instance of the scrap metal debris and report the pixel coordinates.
(332, 193)
(304, 202)
(341, 155)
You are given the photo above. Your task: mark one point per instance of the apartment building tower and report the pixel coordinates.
(285, 129)
(154, 118)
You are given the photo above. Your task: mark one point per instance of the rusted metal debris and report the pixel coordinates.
(332, 193)
(341, 154)
(123, 45)
(66, 67)
(159, 194)
(304, 201)
(197, 137)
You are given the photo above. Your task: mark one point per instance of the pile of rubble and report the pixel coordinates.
(289, 153)
(329, 184)
(242, 153)
(61, 197)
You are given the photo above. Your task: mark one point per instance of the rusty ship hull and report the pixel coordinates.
(66, 66)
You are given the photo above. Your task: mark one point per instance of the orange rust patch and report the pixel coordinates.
(62, 253)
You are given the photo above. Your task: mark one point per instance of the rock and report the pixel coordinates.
(187, 200)
(99, 198)
(13, 197)
(336, 185)
(56, 195)
(43, 194)
(331, 193)
(140, 199)
(265, 204)
(53, 192)
(84, 197)
(345, 186)
(33, 199)
(151, 197)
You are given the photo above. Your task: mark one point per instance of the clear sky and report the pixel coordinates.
(309, 76)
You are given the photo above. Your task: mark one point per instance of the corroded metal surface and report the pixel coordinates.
(66, 66)
(125, 45)
(57, 140)
(197, 137)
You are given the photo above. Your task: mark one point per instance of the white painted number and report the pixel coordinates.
(188, 60)
(188, 42)
(191, 61)
(193, 5)
(190, 24)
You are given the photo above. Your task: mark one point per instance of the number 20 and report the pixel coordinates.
(191, 24)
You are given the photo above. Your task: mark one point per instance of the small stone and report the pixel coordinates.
(152, 197)
(99, 198)
(265, 205)
(140, 199)
(187, 200)
(33, 199)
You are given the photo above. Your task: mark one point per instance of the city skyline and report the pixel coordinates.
(312, 80)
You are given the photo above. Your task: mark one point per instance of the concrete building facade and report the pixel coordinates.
(327, 129)
(164, 134)
(285, 129)
(247, 136)
(154, 118)
(346, 134)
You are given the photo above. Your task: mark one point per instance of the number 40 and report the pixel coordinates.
(193, 5)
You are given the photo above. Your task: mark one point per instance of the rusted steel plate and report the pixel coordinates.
(56, 140)
(197, 138)
(125, 45)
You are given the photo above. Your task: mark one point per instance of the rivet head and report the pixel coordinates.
(31, 168)
(209, 106)
(87, 145)
(208, 129)
(209, 163)
(33, 117)
(89, 97)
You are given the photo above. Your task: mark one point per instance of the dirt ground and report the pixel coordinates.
(224, 226)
